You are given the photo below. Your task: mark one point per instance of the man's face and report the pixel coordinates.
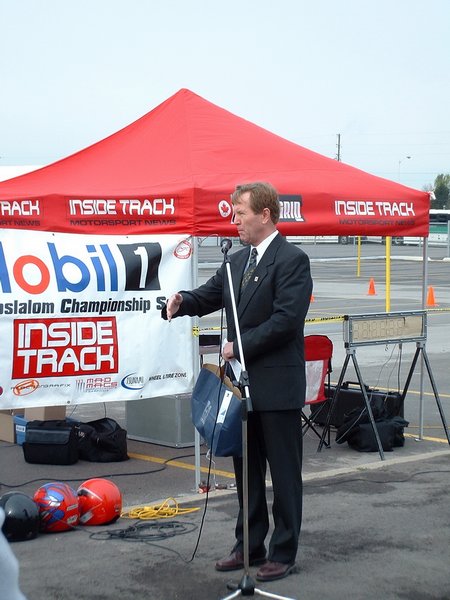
(251, 227)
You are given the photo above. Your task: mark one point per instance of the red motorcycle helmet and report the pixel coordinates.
(21, 517)
(58, 507)
(99, 501)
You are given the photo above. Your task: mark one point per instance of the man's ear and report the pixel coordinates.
(266, 215)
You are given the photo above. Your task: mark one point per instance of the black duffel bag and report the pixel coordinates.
(103, 440)
(358, 432)
(53, 442)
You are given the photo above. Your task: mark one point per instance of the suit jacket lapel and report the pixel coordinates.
(260, 273)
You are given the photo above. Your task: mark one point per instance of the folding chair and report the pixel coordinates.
(318, 354)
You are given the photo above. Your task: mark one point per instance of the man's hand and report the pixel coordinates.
(227, 351)
(173, 304)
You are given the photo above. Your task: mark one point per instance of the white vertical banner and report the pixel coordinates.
(80, 318)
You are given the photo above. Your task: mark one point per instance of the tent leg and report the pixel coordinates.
(197, 440)
(424, 305)
(197, 460)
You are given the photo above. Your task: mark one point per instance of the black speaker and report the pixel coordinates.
(350, 397)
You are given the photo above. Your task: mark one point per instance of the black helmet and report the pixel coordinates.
(21, 516)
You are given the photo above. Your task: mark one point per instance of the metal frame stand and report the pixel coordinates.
(246, 586)
(420, 349)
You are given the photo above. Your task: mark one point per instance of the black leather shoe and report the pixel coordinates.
(275, 570)
(235, 561)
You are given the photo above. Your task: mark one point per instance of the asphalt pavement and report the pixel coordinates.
(372, 529)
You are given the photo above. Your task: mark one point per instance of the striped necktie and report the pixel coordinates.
(250, 269)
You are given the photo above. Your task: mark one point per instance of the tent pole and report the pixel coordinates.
(388, 273)
(358, 261)
(424, 306)
(197, 439)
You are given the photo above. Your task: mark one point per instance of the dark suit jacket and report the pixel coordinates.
(271, 313)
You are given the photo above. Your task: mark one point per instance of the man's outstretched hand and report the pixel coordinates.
(173, 304)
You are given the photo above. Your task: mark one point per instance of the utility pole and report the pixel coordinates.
(338, 156)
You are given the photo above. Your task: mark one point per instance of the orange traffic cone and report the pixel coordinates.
(371, 291)
(312, 298)
(430, 297)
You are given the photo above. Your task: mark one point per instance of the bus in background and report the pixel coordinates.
(439, 219)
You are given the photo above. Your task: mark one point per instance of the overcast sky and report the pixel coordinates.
(377, 72)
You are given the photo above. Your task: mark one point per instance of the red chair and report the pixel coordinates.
(318, 355)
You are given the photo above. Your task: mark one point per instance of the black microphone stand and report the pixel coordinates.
(246, 587)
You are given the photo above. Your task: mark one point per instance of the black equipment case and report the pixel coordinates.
(51, 442)
(350, 397)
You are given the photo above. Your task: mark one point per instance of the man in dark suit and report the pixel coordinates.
(272, 299)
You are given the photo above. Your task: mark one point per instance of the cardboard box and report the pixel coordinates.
(45, 413)
(7, 428)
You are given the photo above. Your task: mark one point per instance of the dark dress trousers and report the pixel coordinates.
(271, 313)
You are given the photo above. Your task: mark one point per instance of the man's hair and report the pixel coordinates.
(262, 195)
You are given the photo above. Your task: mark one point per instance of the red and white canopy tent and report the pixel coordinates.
(92, 245)
(192, 153)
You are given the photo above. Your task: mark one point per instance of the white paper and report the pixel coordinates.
(234, 364)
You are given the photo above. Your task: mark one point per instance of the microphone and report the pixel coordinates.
(225, 245)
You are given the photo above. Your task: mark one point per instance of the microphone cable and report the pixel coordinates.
(221, 375)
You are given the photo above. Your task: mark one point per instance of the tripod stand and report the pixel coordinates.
(246, 586)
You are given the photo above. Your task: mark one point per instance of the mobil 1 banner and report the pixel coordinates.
(80, 318)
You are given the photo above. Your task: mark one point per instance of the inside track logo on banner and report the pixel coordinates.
(64, 347)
